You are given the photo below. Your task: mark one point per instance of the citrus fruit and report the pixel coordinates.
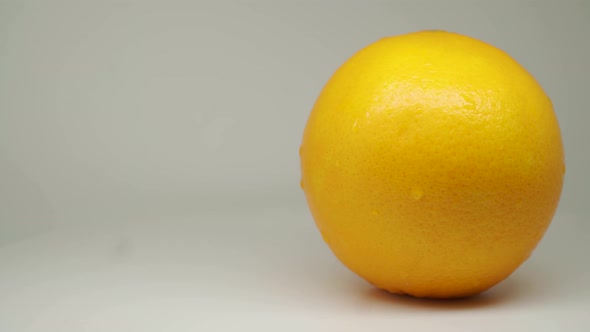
(432, 163)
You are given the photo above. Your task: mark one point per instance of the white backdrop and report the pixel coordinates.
(124, 112)
(127, 109)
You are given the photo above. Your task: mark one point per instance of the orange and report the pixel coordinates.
(432, 163)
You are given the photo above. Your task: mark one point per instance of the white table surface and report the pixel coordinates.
(261, 269)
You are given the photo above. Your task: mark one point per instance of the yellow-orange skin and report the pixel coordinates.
(432, 164)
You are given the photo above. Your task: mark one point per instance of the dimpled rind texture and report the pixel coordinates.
(432, 163)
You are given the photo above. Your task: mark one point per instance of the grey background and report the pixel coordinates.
(149, 169)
